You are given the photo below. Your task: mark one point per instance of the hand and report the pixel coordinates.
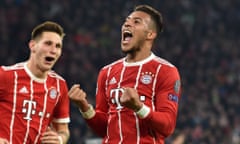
(130, 99)
(3, 141)
(78, 96)
(50, 137)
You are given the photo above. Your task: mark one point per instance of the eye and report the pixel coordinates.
(58, 46)
(48, 42)
(136, 21)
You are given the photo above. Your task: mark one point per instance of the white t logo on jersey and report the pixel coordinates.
(29, 108)
(115, 97)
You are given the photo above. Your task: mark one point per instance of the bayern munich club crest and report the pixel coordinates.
(53, 93)
(146, 77)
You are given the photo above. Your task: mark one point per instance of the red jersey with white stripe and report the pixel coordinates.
(29, 104)
(158, 85)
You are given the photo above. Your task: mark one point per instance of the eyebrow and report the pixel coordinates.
(135, 18)
(52, 42)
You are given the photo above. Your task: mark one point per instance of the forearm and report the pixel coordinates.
(62, 131)
(97, 121)
(63, 136)
(162, 122)
(56, 136)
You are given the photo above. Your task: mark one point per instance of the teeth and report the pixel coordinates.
(127, 35)
(126, 31)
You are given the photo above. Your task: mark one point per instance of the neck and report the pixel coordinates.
(33, 68)
(137, 57)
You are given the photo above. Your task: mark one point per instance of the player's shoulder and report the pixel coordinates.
(117, 62)
(165, 66)
(14, 67)
(53, 74)
(163, 62)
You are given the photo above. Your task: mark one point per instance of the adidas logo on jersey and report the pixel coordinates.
(23, 90)
(112, 81)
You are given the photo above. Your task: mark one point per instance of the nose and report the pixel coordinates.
(127, 23)
(54, 49)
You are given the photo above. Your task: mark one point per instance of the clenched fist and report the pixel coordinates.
(130, 99)
(78, 96)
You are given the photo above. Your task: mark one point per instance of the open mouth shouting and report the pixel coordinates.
(126, 36)
(49, 59)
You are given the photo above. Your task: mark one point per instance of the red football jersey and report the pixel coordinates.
(158, 85)
(29, 104)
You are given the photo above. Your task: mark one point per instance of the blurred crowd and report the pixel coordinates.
(200, 37)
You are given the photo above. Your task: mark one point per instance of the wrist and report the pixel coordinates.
(83, 105)
(89, 113)
(143, 111)
(137, 108)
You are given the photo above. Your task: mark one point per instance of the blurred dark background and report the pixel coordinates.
(201, 37)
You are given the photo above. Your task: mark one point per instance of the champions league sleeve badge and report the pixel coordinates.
(177, 86)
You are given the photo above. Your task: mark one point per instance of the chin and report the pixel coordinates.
(47, 67)
(125, 49)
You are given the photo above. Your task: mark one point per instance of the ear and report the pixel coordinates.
(31, 45)
(151, 35)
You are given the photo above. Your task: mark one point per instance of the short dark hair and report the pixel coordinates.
(47, 26)
(155, 15)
